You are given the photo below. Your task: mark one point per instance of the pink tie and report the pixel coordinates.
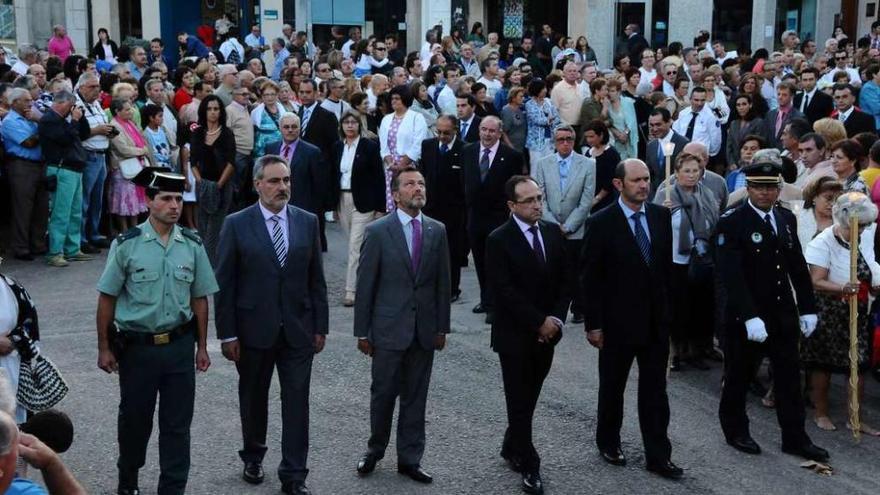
(779, 117)
(285, 152)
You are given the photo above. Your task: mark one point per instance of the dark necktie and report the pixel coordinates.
(769, 223)
(443, 148)
(806, 102)
(690, 130)
(536, 245)
(642, 237)
(484, 164)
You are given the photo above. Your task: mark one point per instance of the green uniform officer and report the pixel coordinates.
(154, 289)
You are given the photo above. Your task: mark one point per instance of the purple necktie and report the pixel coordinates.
(536, 244)
(416, 244)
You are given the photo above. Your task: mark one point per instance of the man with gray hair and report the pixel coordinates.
(121, 70)
(304, 159)
(88, 88)
(66, 159)
(27, 56)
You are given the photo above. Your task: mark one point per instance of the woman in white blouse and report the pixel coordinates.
(401, 132)
(716, 100)
(826, 350)
(360, 188)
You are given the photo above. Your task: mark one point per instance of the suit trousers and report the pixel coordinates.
(615, 361)
(353, 223)
(65, 219)
(93, 178)
(255, 368)
(693, 309)
(30, 206)
(523, 376)
(145, 372)
(477, 237)
(406, 374)
(740, 358)
(573, 261)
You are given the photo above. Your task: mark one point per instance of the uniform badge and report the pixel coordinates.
(720, 239)
(757, 237)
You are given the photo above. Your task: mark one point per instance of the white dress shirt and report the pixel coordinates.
(842, 116)
(346, 163)
(761, 213)
(270, 223)
(406, 222)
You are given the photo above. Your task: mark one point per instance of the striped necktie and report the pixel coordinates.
(278, 240)
(642, 237)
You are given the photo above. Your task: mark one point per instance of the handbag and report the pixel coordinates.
(40, 384)
(130, 167)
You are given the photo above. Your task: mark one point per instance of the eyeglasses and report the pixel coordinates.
(839, 58)
(290, 126)
(531, 201)
(380, 48)
(671, 73)
(325, 69)
(564, 139)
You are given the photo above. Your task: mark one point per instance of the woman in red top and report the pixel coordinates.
(184, 80)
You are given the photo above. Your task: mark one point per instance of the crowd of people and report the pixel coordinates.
(718, 153)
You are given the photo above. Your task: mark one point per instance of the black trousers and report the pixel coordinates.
(740, 359)
(405, 374)
(693, 309)
(255, 369)
(477, 235)
(523, 376)
(145, 373)
(615, 361)
(573, 260)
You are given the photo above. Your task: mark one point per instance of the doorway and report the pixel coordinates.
(631, 12)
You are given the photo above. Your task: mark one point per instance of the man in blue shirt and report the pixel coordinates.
(280, 51)
(193, 46)
(27, 177)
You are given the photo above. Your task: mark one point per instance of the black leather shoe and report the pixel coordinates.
(666, 469)
(745, 443)
(479, 308)
(513, 462)
(415, 473)
(531, 483)
(367, 464)
(809, 451)
(577, 318)
(252, 473)
(296, 488)
(676, 364)
(128, 491)
(490, 318)
(24, 257)
(88, 248)
(101, 242)
(455, 296)
(613, 456)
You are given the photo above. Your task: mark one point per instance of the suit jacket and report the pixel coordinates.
(859, 121)
(323, 132)
(367, 176)
(396, 305)
(473, 131)
(570, 207)
(305, 174)
(258, 297)
(525, 291)
(656, 166)
(773, 137)
(635, 45)
(821, 105)
(622, 295)
(444, 177)
(486, 200)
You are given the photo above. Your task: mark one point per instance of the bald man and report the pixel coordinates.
(710, 179)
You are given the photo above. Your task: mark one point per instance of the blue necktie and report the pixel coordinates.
(563, 174)
(307, 113)
(443, 148)
(464, 127)
(642, 237)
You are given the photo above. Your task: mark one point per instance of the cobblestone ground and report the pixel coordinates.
(466, 415)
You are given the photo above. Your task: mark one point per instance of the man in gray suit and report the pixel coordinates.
(401, 315)
(272, 311)
(568, 183)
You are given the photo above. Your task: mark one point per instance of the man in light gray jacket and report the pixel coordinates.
(568, 185)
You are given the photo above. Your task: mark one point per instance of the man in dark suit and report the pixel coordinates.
(319, 127)
(759, 261)
(635, 43)
(776, 120)
(527, 268)
(626, 262)
(401, 315)
(272, 311)
(304, 161)
(660, 129)
(441, 165)
(487, 166)
(854, 120)
(468, 123)
(811, 102)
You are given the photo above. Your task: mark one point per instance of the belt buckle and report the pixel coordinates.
(161, 338)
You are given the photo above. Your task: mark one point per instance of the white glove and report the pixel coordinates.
(756, 330)
(808, 324)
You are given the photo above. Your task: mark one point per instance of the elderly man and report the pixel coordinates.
(378, 85)
(65, 159)
(280, 52)
(26, 171)
(489, 48)
(88, 89)
(670, 74)
(228, 80)
(27, 56)
(138, 63)
(469, 65)
(60, 45)
(567, 98)
(239, 122)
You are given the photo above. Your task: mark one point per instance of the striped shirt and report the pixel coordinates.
(96, 116)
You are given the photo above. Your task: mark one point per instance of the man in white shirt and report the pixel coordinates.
(430, 40)
(840, 60)
(27, 56)
(721, 55)
(334, 102)
(446, 97)
(670, 74)
(490, 77)
(697, 123)
(255, 39)
(588, 73)
(354, 36)
(378, 85)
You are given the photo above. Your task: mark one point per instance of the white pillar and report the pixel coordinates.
(435, 12)
(577, 21)
(413, 19)
(825, 11)
(105, 14)
(599, 26)
(150, 20)
(763, 24)
(683, 27)
(271, 27)
(77, 24)
(22, 22)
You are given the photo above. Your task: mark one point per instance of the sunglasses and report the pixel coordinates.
(564, 139)
(839, 58)
(672, 73)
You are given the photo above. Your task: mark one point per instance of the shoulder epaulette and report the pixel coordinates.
(191, 235)
(728, 212)
(128, 234)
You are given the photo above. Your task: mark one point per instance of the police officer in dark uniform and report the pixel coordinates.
(759, 260)
(152, 311)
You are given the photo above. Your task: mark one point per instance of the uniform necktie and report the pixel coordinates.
(642, 237)
(443, 148)
(464, 127)
(690, 130)
(536, 244)
(278, 240)
(416, 244)
(307, 114)
(769, 223)
(484, 164)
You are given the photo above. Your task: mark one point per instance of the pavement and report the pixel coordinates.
(465, 414)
